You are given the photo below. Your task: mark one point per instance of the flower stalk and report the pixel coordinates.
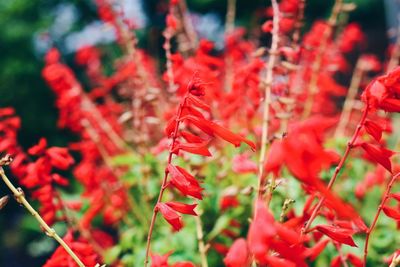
(267, 93)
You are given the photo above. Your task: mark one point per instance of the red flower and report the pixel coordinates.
(169, 214)
(261, 232)
(238, 255)
(184, 182)
(59, 157)
(340, 235)
(182, 208)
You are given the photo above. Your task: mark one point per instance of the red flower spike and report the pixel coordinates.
(238, 255)
(182, 207)
(373, 129)
(380, 155)
(173, 218)
(340, 235)
(392, 213)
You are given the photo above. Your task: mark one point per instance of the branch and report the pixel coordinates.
(351, 95)
(200, 241)
(20, 197)
(267, 100)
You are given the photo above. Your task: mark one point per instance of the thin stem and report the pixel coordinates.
(200, 241)
(268, 87)
(230, 17)
(395, 261)
(351, 95)
(341, 256)
(164, 182)
(350, 145)
(395, 56)
(229, 27)
(298, 24)
(168, 55)
(378, 212)
(20, 197)
(316, 66)
(188, 25)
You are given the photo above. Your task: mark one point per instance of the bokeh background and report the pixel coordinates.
(28, 28)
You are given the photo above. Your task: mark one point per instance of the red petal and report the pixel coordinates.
(229, 136)
(373, 129)
(39, 148)
(184, 182)
(238, 254)
(340, 235)
(390, 105)
(317, 249)
(170, 128)
(173, 218)
(183, 208)
(355, 261)
(391, 212)
(192, 100)
(200, 123)
(395, 196)
(379, 154)
(195, 148)
(191, 138)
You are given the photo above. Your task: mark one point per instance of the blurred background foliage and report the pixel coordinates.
(28, 28)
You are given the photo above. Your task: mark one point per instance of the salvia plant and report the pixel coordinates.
(277, 161)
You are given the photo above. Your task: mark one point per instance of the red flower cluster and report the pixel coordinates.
(193, 112)
(81, 247)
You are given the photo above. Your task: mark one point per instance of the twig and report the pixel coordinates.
(298, 24)
(316, 66)
(230, 16)
(200, 241)
(229, 27)
(351, 95)
(378, 212)
(395, 56)
(20, 197)
(350, 145)
(188, 25)
(267, 100)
